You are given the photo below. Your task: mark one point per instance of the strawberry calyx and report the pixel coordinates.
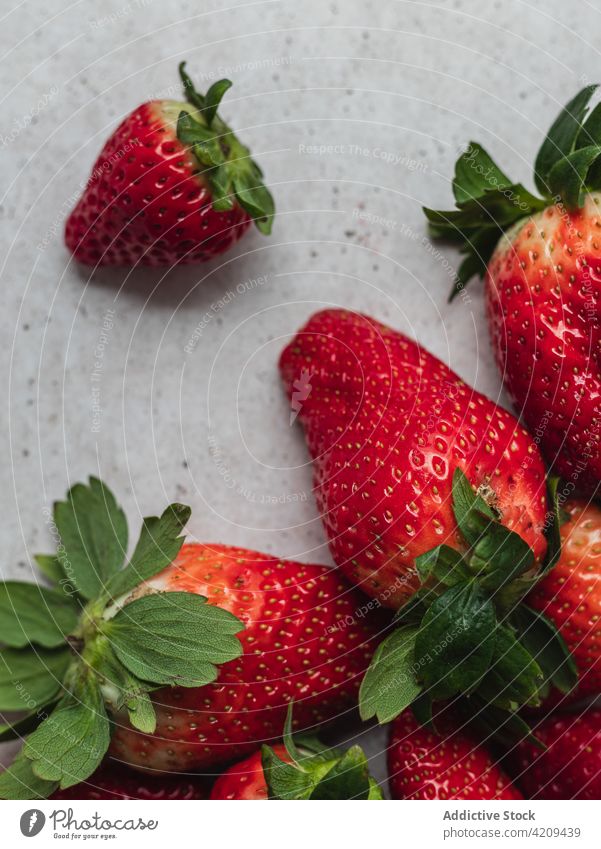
(313, 771)
(488, 204)
(466, 631)
(86, 647)
(225, 163)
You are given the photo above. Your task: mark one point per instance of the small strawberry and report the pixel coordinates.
(448, 763)
(570, 595)
(541, 257)
(434, 502)
(113, 781)
(172, 185)
(570, 765)
(301, 769)
(148, 652)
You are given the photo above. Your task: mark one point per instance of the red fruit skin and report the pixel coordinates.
(113, 781)
(246, 780)
(387, 424)
(570, 768)
(570, 595)
(305, 638)
(448, 765)
(145, 202)
(543, 287)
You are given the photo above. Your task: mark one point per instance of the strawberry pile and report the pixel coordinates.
(465, 606)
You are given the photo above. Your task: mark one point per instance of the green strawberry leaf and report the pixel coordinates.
(174, 638)
(544, 642)
(348, 778)
(443, 563)
(390, 685)
(192, 96)
(455, 642)
(561, 138)
(500, 555)
(69, 745)
(469, 507)
(213, 98)
(122, 690)
(284, 781)
(50, 566)
(93, 536)
(514, 676)
(30, 613)
(19, 781)
(475, 174)
(254, 197)
(159, 544)
(31, 678)
(203, 141)
(568, 178)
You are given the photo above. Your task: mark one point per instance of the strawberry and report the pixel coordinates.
(188, 655)
(570, 595)
(246, 779)
(434, 502)
(302, 641)
(449, 763)
(387, 424)
(570, 765)
(541, 259)
(113, 781)
(172, 185)
(306, 771)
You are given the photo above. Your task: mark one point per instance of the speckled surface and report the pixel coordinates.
(356, 111)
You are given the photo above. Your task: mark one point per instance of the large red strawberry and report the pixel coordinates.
(433, 499)
(541, 257)
(570, 765)
(186, 657)
(387, 425)
(302, 640)
(570, 595)
(172, 185)
(291, 772)
(114, 781)
(446, 763)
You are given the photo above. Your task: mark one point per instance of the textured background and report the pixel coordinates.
(391, 89)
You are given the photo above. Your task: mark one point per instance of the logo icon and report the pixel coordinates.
(32, 822)
(302, 389)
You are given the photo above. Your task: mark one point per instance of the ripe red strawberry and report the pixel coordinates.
(246, 779)
(303, 641)
(541, 258)
(448, 763)
(113, 781)
(570, 766)
(172, 185)
(434, 502)
(570, 595)
(387, 424)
